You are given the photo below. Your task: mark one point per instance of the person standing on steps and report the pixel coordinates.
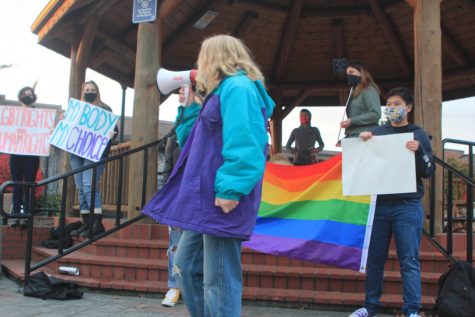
(90, 94)
(23, 168)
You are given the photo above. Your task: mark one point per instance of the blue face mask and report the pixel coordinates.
(396, 114)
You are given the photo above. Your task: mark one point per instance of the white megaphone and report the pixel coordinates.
(167, 80)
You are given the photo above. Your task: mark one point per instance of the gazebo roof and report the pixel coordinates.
(293, 41)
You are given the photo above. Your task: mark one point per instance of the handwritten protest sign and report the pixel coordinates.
(85, 130)
(25, 131)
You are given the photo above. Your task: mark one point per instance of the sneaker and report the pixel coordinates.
(171, 298)
(414, 315)
(362, 312)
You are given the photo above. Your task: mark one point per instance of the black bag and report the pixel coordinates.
(48, 287)
(53, 241)
(456, 297)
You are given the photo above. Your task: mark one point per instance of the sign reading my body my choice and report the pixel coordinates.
(85, 130)
(25, 131)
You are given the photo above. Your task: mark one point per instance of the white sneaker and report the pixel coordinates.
(414, 315)
(171, 298)
(362, 312)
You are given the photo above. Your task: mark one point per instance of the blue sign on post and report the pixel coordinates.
(144, 11)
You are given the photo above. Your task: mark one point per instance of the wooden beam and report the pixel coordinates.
(338, 38)
(246, 24)
(88, 35)
(449, 44)
(101, 57)
(167, 7)
(276, 122)
(467, 4)
(333, 13)
(298, 100)
(176, 37)
(145, 115)
(391, 36)
(428, 85)
(288, 35)
(259, 7)
(116, 44)
(47, 21)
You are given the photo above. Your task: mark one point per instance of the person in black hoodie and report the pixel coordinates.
(23, 167)
(400, 215)
(305, 137)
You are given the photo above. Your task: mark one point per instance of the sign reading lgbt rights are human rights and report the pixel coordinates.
(25, 131)
(85, 130)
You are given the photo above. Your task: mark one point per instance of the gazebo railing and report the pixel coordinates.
(62, 251)
(450, 219)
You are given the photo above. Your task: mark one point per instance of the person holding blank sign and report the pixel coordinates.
(398, 214)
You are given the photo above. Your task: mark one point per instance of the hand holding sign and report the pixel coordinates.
(85, 130)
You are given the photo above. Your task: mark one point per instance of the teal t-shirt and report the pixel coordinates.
(185, 120)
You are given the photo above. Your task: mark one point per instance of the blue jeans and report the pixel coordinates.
(83, 183)
(402, 219)
(174, 235)
(208, 271)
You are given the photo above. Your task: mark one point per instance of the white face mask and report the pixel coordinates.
(186, 94)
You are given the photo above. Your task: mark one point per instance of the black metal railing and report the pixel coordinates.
(62, 215)
(448, 218)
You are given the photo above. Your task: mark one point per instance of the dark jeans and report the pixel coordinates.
(23, 168)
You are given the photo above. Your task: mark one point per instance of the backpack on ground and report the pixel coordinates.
(48, 287)
(53, 241)
(456, 297)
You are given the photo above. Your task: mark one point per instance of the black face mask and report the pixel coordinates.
(90, 96)
(27, 100)
(353, 80)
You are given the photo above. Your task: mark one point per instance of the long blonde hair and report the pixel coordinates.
(221, 56)
(97, 102)
(366, 79)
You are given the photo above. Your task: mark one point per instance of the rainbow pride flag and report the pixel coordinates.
(304, 215)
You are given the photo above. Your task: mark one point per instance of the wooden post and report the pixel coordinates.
(145, 115)
(428, 85)
(81, 45)
(276, 125)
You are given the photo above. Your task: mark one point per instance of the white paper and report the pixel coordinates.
(380, 165)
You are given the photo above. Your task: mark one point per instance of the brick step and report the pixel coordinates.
(15, 268)
(133, 248)
(327, 279)
(265, 276)
(157, 249)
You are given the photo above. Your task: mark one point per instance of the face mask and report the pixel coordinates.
(27, 100)
(353, 80)
(396, 114)
(304, 120)
(90, 96)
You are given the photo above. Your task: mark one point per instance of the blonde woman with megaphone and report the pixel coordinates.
(215, 188)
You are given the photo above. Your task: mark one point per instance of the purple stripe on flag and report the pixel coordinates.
(313, 251)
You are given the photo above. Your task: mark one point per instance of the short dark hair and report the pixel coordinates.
(22, 91)
(404, 93)
(306, 111)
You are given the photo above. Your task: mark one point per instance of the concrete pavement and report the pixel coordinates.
(95, 304)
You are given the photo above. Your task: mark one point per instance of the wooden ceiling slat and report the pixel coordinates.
(288, 36)
(256, 6)
(246, 24)
(391, 36)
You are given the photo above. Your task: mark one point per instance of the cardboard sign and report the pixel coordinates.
(25, 131)
(380, 165)
(85, 130)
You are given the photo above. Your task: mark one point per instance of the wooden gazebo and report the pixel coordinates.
(424, 44)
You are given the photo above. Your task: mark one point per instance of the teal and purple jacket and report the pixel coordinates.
(224, 157)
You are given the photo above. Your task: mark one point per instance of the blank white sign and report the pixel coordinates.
(380, 165)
